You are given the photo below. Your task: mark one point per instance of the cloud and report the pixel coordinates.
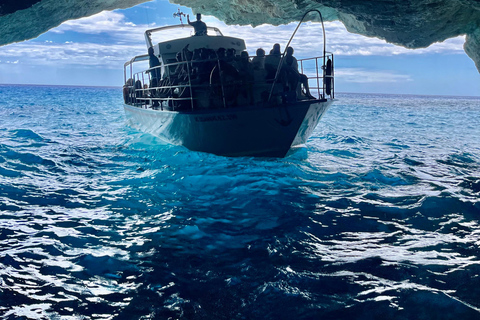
(105, 21)
(120, 41)
(112, 25)
(109, 39)
(309, 40)
(70, 54)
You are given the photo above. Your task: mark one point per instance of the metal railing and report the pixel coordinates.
(172, 93)
(324, 55)
(321, 80)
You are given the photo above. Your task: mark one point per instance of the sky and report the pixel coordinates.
(92, 51)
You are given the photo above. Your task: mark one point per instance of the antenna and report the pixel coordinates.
(179, 14)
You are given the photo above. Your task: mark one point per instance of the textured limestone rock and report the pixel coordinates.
(410, 23)
(472, 47)
(27, 19)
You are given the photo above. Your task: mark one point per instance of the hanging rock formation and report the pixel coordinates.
(409, 23)
(27, 19)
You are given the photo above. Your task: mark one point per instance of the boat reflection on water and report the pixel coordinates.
(199, 94)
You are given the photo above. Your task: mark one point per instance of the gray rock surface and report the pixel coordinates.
(409, 23)
(27, 19)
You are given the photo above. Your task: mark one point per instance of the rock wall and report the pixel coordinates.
(26, 19)
(409, 23)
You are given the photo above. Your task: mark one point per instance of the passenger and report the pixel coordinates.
(128, 91)
(293, 75)
(225, 65)
(195, 65)
(178, 77)
(276, 49)
(204, 53)
(246, 73)
(222, 62)
(186, 54)
(204, 67)
(244, 63)
(138, 89)
(272, 61)
(153, 91)
(130, 82)
(181, 71)
(224, 78)
(179, 67)
(230, 57)
(199, 26)
(164, 85)
(145, 93)
(328, 77)
(221, 54)
(259, 60)
(180, 74)
(210, 57)
(126, 97)
(196, 54)
(290, 60)
(154, 63)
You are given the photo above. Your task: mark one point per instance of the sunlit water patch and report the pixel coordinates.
(376, 217)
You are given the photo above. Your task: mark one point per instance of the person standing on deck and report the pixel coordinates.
(155, 74)
(199, 26)
(153, 62)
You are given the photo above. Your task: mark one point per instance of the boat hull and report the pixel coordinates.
(245, 131)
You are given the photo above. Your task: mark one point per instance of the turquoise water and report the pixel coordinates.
(377, 217)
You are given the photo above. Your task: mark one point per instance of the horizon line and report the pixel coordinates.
(119, 87)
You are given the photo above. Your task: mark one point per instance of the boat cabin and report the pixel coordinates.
(167, 51)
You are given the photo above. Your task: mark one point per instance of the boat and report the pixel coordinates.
(208, 101)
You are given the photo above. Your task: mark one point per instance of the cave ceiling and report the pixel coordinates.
(408, 23)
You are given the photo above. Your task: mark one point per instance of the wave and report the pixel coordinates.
(374, 217)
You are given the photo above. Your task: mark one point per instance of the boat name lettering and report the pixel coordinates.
(223, 117)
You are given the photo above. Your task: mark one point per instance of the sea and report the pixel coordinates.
(375, 217)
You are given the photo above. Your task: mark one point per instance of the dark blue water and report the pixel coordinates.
(377, 217)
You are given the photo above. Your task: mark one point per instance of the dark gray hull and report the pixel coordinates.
(246, 131)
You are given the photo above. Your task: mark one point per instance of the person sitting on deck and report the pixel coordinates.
(199, 26)
(223, 78)
(126, 93)
(221, 54)
(272, 61)
(204, 67)
(290, 65)
(179, 74)
(246, 73)
(230, 55)
(276, 49)
(187, 55)
(259, 60)
(195, 63)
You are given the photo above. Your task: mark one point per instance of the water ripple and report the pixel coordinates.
(376, 218)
